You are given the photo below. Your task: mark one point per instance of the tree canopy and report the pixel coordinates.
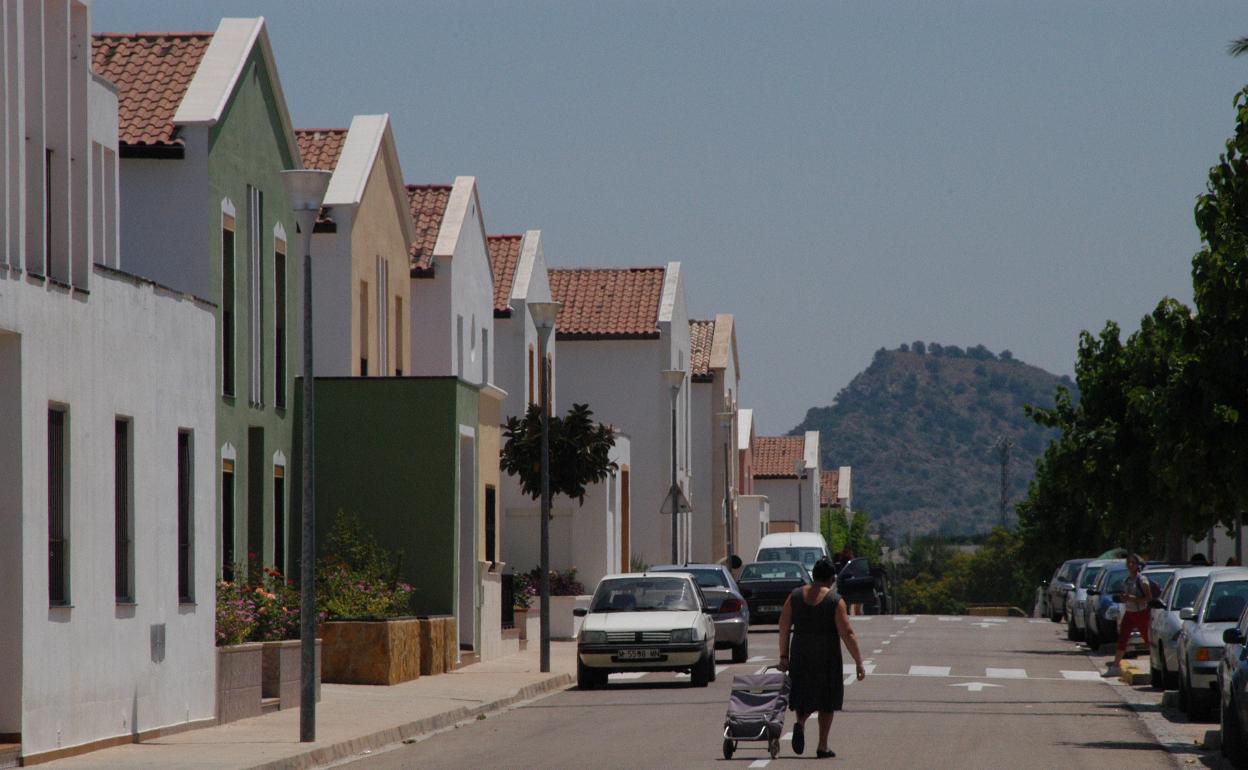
(580, 450)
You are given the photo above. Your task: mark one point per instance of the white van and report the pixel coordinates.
(806, 547)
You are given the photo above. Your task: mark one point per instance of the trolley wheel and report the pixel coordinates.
(729, 747)
(773, 747)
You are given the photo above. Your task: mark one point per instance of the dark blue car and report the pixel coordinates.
(1233, 689)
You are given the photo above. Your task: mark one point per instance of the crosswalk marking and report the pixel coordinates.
(887, 641)
(949, 619)
(757, 658)
(850, 668)
(1005, 673)
(876, 652)
(929, 670)
(1085, 676)
(760, 763)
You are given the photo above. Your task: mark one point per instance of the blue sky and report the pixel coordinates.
(840, 176)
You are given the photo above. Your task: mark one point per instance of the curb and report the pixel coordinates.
(351, 748)
(1131, 675)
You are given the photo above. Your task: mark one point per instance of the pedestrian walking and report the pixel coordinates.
(813, 623)
(1135, 595)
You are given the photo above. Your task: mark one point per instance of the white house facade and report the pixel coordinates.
(716, 383)
(107, 426)
(791, 495)
(618, 330)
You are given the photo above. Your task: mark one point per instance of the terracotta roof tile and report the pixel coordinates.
(774, 456)
(504, 257)
(151, 71)
(701, 334)
(607, 302)
(829, 483)
(428, 206)
(321, 147)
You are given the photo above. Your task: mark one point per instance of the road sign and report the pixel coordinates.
(682, 503)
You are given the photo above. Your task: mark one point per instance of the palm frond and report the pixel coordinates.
(1238, 47)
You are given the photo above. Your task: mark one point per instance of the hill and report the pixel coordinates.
(921, 426)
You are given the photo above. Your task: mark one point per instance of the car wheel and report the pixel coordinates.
(741, 653)
(700, 674)
(1156, 677)
(1072, 633)
(1185, 695)
(1234, 746)
(1090, 638)
(588, 678)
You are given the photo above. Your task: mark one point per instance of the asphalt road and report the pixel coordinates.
(940, 693)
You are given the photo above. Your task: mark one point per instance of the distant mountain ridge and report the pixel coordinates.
(921, 426)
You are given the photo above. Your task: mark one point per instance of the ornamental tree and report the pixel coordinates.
(580, 451)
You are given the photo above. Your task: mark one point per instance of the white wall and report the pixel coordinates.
(517, 333)
(782, 493)
(754, 514)
(134, 350)
(332, 300)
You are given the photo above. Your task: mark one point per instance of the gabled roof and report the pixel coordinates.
(321, 147)
(776, 456)
(828, 487)
(608, 303)
(152, 71)
(504, 257)
(427, 203)
(701, 334)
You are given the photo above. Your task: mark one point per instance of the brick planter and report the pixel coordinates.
(522, 621)
(239, 679)
(371, 651)
(280, 671)
(439, 644)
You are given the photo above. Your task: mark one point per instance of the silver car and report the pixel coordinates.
(1053, 600)
(1216, 608)
(729, 608)
(1164, 624)
(1078, 596)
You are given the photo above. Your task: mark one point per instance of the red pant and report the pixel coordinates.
(1137, 620)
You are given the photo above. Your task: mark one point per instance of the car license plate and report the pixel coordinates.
(646, 654)
(769, 608)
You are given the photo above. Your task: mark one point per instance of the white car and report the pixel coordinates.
(804, 547)
(1164, 624)
(657, 621)
(1217, 608)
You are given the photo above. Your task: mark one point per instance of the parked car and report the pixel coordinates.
(645, 622)
(730, 610)
(766, 584)
(1078, 595)
(860, 583)
(1233, 692)
(1053, 599)
(1217, 607)
(1098, 627)
(804, 547)
(1164, 624)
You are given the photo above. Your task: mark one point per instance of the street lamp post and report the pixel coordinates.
(674, 378)
(305, 188)
(799, 469)
(544, 314)
(725, 422)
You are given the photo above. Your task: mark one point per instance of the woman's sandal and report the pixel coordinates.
(821, 754)
(799, 738)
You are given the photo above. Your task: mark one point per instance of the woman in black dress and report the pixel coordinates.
(819, 623)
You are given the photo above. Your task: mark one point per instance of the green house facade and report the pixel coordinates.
(204, 211)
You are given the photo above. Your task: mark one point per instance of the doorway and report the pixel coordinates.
(467, 541)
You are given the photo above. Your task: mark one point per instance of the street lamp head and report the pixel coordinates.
(674, 378)
(305, 189)
(544, 315)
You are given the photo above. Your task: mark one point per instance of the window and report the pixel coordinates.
(279, 323)
(363, 328)
(279, 518)
(58, 494)
(227, 304)
(398, 336)
(255, 284)
(123, 508)
(227, 519)
(531, 375)
(491, 524)
(383, 342)
(186, 588)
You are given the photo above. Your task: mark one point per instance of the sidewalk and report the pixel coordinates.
(350, 719)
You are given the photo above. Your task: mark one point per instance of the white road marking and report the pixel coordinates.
(757, 658)
(629, 675)
(760, 763)
(929, 671)
(1005, 673)
(990, 619)
(974, 686)
(892, 636)
(850, 679)
(1039, 621)
(887, 641)
(1083, 676)
(718, 670)
(905, 618)
(850, 668)
(876, 652)
(949, 618)
(983, 624)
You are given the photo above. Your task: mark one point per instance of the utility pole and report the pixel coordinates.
(1003, 446)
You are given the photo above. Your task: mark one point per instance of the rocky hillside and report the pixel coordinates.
(921, 427)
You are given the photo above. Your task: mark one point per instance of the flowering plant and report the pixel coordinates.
(277, 607)
(524, 591)
(358, 578)
(236, 613)
(561, 583)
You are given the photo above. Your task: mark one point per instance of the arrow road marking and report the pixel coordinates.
(974, 686)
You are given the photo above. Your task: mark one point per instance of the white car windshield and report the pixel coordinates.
(643, 594)
(1089, 577)
(707, 578)
(1185, 592)
(777, 571)
(1225, 602)
(807, 556)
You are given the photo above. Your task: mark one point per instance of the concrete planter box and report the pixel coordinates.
(439, 644)
(563, 624)
(371, 651)
(521, 621)
(281, 671)
(239, 680)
